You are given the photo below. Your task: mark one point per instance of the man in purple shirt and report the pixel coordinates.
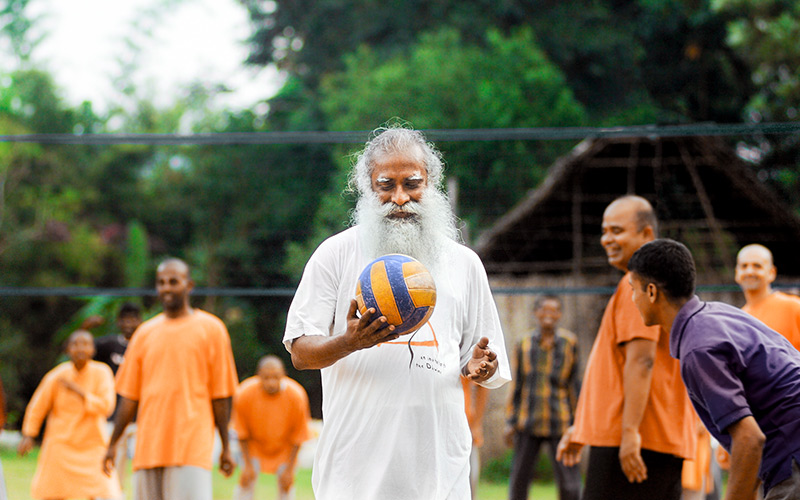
(742, 377)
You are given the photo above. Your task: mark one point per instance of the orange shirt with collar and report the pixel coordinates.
(668, 424)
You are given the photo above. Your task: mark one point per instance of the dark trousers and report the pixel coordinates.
(526, 453)
(605, 479)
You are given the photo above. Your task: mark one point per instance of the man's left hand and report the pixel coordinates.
(226, 464)
(630, 457)
(483, 363)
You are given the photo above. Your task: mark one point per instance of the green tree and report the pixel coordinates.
(15, 26)
(613, 53)
(765, 34)
(446, 83)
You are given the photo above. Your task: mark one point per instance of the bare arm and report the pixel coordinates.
(248, 471)
(222, 417)
(746, 448)
(286, 478)
(637, 375)
(126, 411)
(311, 352)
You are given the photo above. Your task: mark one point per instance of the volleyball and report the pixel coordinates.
(400, 288)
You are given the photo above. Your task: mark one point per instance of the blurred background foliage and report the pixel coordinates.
(249, 216)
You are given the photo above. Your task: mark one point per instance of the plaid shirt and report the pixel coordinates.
(546, 385)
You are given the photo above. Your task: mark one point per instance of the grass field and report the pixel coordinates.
(19, 472)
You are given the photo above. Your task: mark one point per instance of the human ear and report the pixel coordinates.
(652, 292)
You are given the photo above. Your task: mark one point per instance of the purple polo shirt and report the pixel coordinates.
(735, 366)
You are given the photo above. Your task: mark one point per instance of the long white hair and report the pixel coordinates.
(425, 236)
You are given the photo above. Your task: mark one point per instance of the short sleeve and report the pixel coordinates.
(239, 420)
(224, 379)
(302, 415)
(129, 375)
(483, 321)
(713, 385)
(314, 304)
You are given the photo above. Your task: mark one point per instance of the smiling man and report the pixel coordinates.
(755, 273)
(394, 430)
(632, 410)
(742, 377)
(180, 376)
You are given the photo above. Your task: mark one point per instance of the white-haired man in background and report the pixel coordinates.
(393, 408)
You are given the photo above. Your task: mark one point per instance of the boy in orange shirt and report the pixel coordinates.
(76, 397)
(270, 417)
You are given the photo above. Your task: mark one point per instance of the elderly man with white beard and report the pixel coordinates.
(395, 429)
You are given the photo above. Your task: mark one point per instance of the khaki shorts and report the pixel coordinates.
(172, 483)
(788, 489)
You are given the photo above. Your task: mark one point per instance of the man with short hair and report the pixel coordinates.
(110, 349)
(743, 378)
(542, 403)
(632, 410)
(75, 397)
(755, 273)
(394, 422)
(180, 375)
(270, 417)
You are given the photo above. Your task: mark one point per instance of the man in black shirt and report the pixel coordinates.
(111, 348)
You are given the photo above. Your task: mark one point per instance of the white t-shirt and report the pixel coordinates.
(395, 425)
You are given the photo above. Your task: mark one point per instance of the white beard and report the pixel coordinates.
(424, 236)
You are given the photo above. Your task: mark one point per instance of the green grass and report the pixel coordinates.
(19, 472)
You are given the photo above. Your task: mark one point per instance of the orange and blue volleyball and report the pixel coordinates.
(400, 288)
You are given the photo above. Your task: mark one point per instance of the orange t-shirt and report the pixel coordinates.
(667, 425)
(696, 473)
(781, 312)
(272, 424)
(174, 368)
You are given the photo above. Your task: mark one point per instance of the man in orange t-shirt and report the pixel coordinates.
(633, 409)
(755, 273)
(180, 376)
(270, 417)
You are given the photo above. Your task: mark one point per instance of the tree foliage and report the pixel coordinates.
(444, 82)
(766, 34)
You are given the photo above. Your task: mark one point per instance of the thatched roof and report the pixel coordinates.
(703, 193)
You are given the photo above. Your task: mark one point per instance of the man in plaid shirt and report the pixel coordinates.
(542, 404)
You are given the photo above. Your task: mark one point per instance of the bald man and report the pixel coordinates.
(633, 409)
(270, 417)
(179, 375)
(755, 272)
